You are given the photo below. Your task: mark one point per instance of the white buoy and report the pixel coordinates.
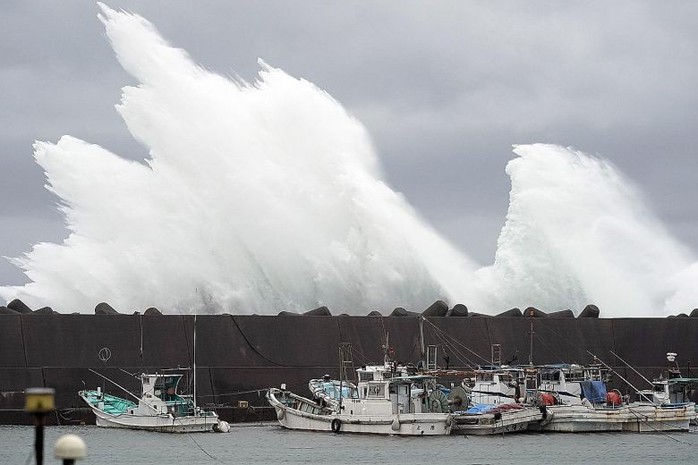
(70, 447)
(221, 427)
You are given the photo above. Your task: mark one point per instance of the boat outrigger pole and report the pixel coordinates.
(122, 388)
(629, 366)
(614, 372)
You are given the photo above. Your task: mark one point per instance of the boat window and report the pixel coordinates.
(376, 391)
(550, 376)
(363, 376)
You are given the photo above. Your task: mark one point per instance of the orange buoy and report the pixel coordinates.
(613, 398)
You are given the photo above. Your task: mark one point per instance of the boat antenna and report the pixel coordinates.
(386, 349)
(104, 355)
(140, 330)
(629, 366)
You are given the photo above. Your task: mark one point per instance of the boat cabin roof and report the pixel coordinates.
(160, 380)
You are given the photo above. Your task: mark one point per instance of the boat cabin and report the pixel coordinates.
(397, 395)
(671, 388)
(496, 385)
(565, 381)
(159, 393)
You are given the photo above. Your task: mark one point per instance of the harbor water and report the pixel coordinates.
(270, 444)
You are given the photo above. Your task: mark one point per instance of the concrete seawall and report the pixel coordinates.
(237, 357)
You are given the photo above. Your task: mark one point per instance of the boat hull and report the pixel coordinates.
(651, 418)
(633, 418)
(581, 419)
(397, 425)
(159, 423)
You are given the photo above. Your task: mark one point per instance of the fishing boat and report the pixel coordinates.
(393, 406)
(595, 409)
(386, 399)
(159, 408)
(671, 389)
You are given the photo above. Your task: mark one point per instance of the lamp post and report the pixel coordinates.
(70, 447)
(39, 402)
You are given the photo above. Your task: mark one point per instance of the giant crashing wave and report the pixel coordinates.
(262, 197)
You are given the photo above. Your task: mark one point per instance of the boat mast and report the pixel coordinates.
(194, 342)
(421, 343)
(530, 352)
(341, 375)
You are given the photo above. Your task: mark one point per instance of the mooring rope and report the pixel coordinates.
(645, 418)
(194, 441)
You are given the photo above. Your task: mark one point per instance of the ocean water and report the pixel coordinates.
(270, 444)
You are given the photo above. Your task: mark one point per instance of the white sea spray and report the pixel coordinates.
(268, 196)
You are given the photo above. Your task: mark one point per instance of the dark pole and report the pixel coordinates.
(39, 402)
(39, 438)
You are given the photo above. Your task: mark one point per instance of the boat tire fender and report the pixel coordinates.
(336, 425)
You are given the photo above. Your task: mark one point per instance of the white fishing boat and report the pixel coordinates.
(671, 390)
(595, 409)
(671, 387)
(575, 399)
(386, 399)
(393, 406)
(159, 408)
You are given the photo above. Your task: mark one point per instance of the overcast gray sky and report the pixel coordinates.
(444, 88)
